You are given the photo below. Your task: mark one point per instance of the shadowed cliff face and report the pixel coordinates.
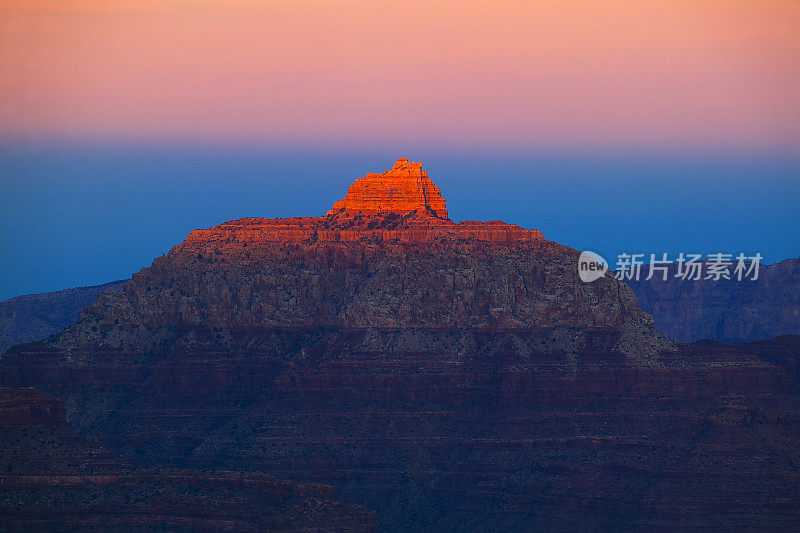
(449, 375)
(54, 479)
(724, 310)
(37, 316)
(495, 435)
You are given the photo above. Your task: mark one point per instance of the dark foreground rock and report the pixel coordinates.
(53, 479)
(503, 437)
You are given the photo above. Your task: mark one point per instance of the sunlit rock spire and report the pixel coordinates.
(404, 188)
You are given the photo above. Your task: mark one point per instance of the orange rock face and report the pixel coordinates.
(345, 226)
(404, 188)
(401, 205)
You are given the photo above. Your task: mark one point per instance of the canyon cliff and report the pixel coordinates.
(53, 479)
(369, 264)
(724, 310)
(448, 375)
(35, 317)
(403, 189)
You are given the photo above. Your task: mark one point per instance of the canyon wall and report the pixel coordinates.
(724, 310)
(447, 375)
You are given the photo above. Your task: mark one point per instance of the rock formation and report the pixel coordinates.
(683, 310)
(403, 189)
(388, 268)
(35, 317)
(724, 310)
(449, 375)
(53, 479)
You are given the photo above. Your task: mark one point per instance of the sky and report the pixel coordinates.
(597, 75)
(612, 125)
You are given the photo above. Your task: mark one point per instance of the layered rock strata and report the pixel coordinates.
(450, 375)
(52, 479)
(403, 189)
(724, 310)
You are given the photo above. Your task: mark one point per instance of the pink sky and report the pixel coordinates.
(515, 75)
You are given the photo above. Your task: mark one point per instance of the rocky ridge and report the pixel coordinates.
(725, 310)
(449, 375)
(369, 269)
(35, 317)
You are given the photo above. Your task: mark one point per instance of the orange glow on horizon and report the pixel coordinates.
(519, 74)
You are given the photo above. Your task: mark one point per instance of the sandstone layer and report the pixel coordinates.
(403, 189)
